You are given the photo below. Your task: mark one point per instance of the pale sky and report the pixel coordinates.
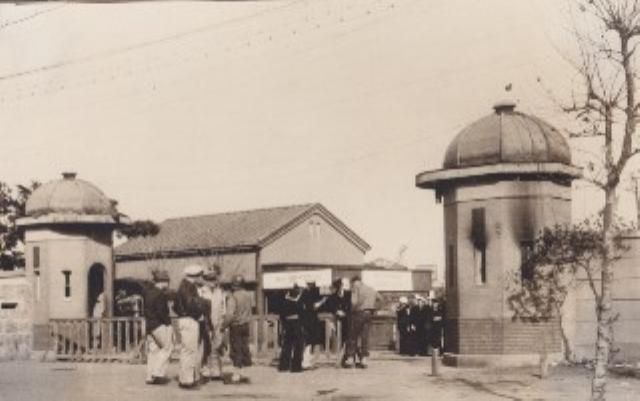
(184, 108)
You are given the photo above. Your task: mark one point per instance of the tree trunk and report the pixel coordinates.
(604, 313)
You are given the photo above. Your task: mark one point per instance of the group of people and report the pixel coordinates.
(302, 330)
(419, 324)
(204, 311)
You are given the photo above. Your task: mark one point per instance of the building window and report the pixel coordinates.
(479, 239)
(67, 283)
(36, 260)
(527, 268)
(480, 264)
(451, 268)
(36, 270)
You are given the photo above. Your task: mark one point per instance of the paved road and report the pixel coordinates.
(395, 379)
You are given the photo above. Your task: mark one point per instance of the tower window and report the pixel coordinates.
(36, 260)
(479, 239)
(451, 270)
(67, 283)
(527, 268)
(480, 264)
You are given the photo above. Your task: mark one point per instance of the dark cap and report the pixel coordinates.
(160, 275)
(237, 281)
(211, 274)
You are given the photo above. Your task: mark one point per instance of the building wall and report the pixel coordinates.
(515, 211)
(16, 317)
(314, 241)
(580, 310)
(72, 249)
(231, 264)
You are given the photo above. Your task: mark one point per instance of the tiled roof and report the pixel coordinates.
(227, 230)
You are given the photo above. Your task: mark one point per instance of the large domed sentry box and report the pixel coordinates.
(504, 178)
(68, 231)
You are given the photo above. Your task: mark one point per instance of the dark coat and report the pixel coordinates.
(188, 303)
(156, 308)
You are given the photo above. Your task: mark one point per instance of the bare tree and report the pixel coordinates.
(606, 109)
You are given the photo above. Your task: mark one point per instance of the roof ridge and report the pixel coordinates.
(198, 216)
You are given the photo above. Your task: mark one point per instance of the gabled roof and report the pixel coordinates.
(231, 231)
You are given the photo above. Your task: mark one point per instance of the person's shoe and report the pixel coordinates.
(346, 365)
(188, 386)
(158, 380)
(215, 378)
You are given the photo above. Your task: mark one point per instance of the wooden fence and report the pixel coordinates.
(106, 339)
(123, 338)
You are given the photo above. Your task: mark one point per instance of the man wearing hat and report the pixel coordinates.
(190, 308)
(211, 291)
(158, 324)
(364, 302)
(239, 305)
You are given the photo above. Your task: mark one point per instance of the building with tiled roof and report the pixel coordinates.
(242, 242)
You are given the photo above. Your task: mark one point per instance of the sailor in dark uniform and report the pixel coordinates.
(159, 331)
(191, 309)
(291, 313)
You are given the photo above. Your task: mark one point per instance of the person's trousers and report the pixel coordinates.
(159, 348)
(358, 336)
(212, 362)
(190, 354)
(239, 338)
(292, 346)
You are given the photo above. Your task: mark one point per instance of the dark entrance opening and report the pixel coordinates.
(95, 297)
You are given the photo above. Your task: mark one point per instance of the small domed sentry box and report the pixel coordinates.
(68, 231)
(504, 178)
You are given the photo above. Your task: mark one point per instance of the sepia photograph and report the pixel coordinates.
(323, 200)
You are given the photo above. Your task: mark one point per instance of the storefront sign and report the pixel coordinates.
(382, 280)
(284, 280)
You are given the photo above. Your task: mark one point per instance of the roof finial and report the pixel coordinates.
(504, 106)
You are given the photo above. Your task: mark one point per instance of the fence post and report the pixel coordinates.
(434, 362)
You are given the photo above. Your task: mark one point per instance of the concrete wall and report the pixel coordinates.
(514, 211)
(16, 317)
(73, 249)
(580, 310)
(314, 241)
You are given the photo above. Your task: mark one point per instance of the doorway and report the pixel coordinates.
(95, 297)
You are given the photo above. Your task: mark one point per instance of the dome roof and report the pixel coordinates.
(507, 136)
(69, 196)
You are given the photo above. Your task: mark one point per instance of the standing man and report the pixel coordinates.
(190, 308)
(239, 304)
(312, 327)
(363, 306)
(293, 340)
(158, 325)
(403, 323)
(211, 291)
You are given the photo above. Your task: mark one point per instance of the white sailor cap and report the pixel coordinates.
(193, 270)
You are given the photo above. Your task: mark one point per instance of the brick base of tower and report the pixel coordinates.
(500, 342)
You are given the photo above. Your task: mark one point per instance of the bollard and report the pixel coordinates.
(434, 361)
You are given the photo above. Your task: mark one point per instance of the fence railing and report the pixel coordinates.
(123, 338)
(120, 338)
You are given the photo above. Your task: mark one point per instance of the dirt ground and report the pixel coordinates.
(385, 379)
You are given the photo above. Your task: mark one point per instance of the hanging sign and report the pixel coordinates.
(284, 280)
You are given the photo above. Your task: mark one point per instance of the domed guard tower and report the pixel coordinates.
(69, 251)
(504, 178)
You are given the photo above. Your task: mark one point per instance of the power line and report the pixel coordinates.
(17, 21)
(141, 45)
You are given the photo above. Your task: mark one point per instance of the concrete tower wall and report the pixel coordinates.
(52, 251)
(479, 318)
